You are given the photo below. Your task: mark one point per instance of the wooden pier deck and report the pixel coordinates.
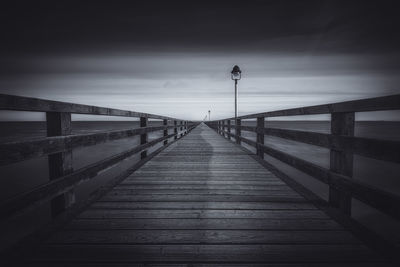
(203, 201)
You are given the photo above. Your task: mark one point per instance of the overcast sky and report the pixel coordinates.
(174, 58)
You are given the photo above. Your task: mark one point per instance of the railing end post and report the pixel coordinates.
(60, 164)
(341, 162)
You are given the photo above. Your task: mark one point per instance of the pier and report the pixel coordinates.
(199, 197)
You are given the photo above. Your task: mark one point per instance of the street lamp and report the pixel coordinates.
(236, 74)
(209, 118)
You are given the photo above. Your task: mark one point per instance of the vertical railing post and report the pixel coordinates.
(60, 164)
(143, 137)
(181, 128)
(175, 130)
(260, 136)
(165, 123)
(238, 131)
(224, 128)
(340, 161)
(218, 127)
(229, 128)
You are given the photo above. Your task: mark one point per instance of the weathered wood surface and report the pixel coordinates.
(21, 103)
(387, 150)
(42, 193)
(203, 200)
(390, 102)
(23, 150)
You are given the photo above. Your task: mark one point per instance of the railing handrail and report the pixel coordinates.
(60, 142)
(390, 102)
(381, 149)
(341, 142)
(16, 151)
(22, 103)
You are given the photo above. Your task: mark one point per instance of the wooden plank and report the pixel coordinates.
(200, 182)
(203, 178)
(204, 173)
(211, 164)
(209, 192)
(219, 264)
(205, 253)
(204, 205)
(209, 223)
(116, 196)
(202, 237)
(124, 186)
(191, 214)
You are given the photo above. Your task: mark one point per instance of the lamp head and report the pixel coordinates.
(236, 73)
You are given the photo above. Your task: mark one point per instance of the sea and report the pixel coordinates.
(24, 176)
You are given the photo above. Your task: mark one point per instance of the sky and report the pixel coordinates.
(174, 58)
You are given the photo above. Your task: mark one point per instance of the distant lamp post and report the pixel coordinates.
(209, 118)
(236, 74)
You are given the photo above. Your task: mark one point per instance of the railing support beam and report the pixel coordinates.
(260, 136)
(165, 123)
(238, 131)
(341, 162)
(228, 122)
(144, 121)
(60, 164)
(175, 130)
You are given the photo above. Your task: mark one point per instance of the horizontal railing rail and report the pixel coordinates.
(60, 142)
(20, 103)
(387, 150)
(371, 104)
(62, 184)
(23, 150)
(342, 144)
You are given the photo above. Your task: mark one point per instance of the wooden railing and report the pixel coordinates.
(342, 144)
(59, 143)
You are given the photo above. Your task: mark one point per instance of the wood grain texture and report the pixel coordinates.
(196, 205)
(12, 102)
(391, 102)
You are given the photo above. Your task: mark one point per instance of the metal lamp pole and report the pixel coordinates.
(236, 74)
(236, 104)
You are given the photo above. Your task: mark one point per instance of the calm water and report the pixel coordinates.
(22, 176)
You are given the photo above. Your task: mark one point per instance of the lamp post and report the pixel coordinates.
(236, 74)
(209, 118)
